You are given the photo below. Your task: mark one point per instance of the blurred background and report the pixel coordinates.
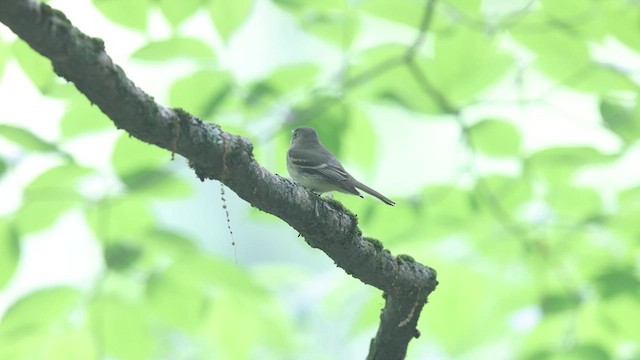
(505, 131)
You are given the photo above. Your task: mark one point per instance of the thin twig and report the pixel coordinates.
(440, 99)
(425, 23)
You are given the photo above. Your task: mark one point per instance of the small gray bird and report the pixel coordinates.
(311, 165)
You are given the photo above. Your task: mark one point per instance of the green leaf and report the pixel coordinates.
(305, 8)
(601, 79)
(629, 198)
(408, 12)
(9, 251)
(175, 48)
(82, 343)
(50, 344)
(288, 78)
(58, 179)
(621, 314)
(382, 76)
(27, 345)
(43, 308)
(588, 352)
(227, 16)
(121, 256)
(233, 343)
(458, 56)
(157, 183)
(560, 163)
(560, 32)
(48, 196)
(374, 215)
(617, 280)
(119, 220)
(623, 121)
(621, 20)
(450, 206)
(575, 204)
(485, 227)
(560, 302)
(239, 324)
(337, 21)
(5, 52)
(368, 315)
(176, 11)
(122, 329)
(190, 293)
(181, 304)
(38, 215)
(289, 4)
(201, 271)
(132, 14)
(562, 54)
(328, 115)
(509, 192)
(3, 167)
(495, 137)
(624, 224)
(282, 82)
(132, 156)
(164, 244)
(339, 27)
(201, 93)
(566, 10)
(545, 336)
(469, 7)
(574, 352)
(361, 147)
(83, 117)
(481, 323)
(26, 139)
(35, 66)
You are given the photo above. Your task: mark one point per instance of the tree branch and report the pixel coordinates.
(215, 154)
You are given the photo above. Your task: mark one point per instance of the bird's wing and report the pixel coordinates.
(332, 170)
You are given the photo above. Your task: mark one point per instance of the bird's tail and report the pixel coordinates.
(370, 191)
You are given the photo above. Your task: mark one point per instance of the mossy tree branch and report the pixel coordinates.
(216, 154)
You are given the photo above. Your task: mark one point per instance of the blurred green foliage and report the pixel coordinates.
(532, 265)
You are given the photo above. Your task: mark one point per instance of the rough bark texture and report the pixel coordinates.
(215, 154)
